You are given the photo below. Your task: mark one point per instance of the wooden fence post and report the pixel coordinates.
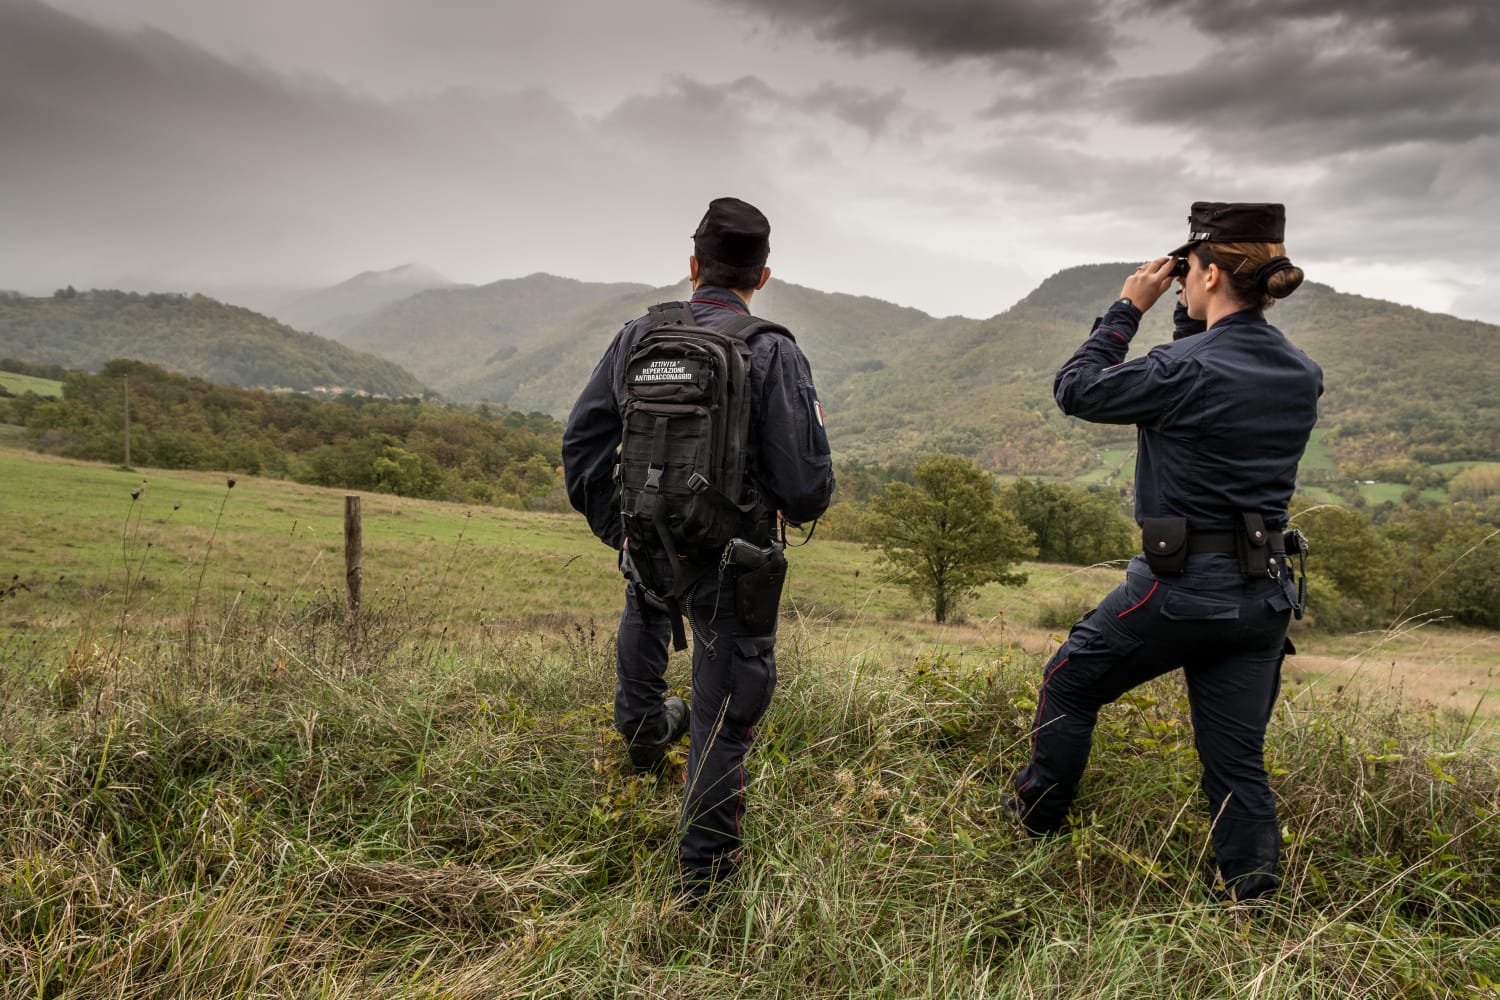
(353, 553)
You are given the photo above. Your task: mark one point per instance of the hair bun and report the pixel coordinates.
(1284, 282)
(1278, 277)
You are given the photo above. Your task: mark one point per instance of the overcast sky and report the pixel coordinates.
(945, 154)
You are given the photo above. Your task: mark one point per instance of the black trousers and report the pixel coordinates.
(1228, 635)
(734, 675)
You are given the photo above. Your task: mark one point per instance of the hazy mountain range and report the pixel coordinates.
(1403, 384)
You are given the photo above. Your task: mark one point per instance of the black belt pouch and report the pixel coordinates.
(1252, 545)
(1164, 541)
(757, 594)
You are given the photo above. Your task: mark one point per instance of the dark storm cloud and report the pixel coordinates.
(940, 30)
(138, 148)
(1449, 32)
(132, 156)
(1300, 99)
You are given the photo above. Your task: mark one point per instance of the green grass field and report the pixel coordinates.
(1115, 466)
(1316, 458)
(213, 783)
(17, 384)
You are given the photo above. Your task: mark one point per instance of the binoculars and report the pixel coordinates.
(1179, 267)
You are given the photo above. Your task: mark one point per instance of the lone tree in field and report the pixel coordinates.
(1071, 525)
(945, 534)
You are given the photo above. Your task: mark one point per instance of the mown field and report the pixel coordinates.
(215, 784)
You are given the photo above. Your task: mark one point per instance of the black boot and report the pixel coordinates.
(647, 755)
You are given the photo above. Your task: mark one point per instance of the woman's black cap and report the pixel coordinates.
(1234, 222)
(733, 232)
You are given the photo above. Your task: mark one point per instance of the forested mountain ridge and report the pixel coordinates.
(1405, 389)
(530, 342)
(190, 334)
(1403, 385)
(453, 337)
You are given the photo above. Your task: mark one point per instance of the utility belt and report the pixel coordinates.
(1228, 543)
(1166, 543)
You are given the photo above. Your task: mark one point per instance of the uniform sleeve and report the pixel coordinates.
(796, 467)
(1098, 385)
(1184, 325)
(590, 444)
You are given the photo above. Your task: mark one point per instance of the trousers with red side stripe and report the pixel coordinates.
(1227, 634)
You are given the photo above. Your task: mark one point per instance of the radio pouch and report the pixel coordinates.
(757, 594)
(1164, 542)
(1252, 545)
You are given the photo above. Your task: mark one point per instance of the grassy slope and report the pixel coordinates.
(17, 384)
(261, 805)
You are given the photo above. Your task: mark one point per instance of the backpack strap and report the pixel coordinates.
(654, 510)
(671, 314)
(745, 327)
(741, 327)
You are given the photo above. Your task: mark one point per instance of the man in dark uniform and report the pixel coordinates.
(1223, 414)
(734, 669)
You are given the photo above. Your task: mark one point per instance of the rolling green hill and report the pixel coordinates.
(1403, 385)
(1407, 390)
(190, 334)
(454, 338)
(530, 342)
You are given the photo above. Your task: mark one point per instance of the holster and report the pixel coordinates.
(757, 593)
(1164, 543)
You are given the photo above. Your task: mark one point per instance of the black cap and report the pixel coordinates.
(1234, 222)
(733, 232)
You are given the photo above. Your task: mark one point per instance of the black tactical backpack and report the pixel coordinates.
(684, 492)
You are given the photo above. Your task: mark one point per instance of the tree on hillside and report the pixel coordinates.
(1470, 586)
(1071, 525)
(1476, 484)
(945, 534)
(1349, 568)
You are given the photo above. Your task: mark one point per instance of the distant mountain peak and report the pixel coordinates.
(411, 275)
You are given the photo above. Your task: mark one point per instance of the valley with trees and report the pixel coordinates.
(1407, 448)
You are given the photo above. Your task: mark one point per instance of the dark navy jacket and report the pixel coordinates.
(1223, 415)
(790, 461)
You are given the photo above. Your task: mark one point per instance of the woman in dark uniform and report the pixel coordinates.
(1223, 416)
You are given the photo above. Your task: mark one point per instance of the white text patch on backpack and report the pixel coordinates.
(664, 371)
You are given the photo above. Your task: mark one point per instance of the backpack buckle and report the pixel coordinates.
(653, 478)
(697, 483)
